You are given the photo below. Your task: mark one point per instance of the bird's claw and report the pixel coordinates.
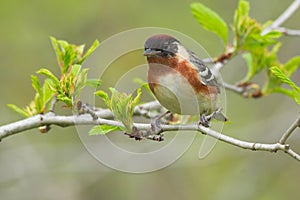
(205, 119)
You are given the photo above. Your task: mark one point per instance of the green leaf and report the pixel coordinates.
(65, 99)
(81, 82)
(285, 91)
(250, 65)
(18, 110)
(49, 74)
(38, 104)
(94, 83)
(47, 91)
(79, 51)
(297, 96)
(36, 84)
(137, 99)
(89, 51)
(104, 96)
(82, 77)
(68, 58)
(291, 66)
(57, 49)
(285, 79)
(241, 13)
(122, 105)
(273, 34)
(242, 10)
(75, 70)
(210, 20)
(240, 16)
(103, 129)
(143, 84)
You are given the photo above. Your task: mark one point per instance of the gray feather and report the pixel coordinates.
(207, 77)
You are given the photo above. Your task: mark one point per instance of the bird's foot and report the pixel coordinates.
(205, 119)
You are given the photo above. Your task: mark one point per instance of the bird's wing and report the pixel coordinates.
(207, 77)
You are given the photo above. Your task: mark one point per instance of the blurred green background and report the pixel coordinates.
(57, 166)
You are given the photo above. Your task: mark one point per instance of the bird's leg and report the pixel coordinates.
(205, 119)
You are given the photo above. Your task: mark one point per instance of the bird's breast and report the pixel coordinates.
(177, 91)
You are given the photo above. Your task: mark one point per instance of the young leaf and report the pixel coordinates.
(104, 96)
(18, 110)
(89, 51)
(94, 83)
(47, 91)
(137, 99)
(250, 65)
(210, 20)
(285, 91)
(240, 15)
(68, 58)
(38, 104)
(36, 84)
(297, 96)
(49, 74)
(143, 84)
(122, 106)
(285, 79)
(57, 49)
(65, 99)
(75, 70)
(80, 82)
(103, 129)
(291, 66)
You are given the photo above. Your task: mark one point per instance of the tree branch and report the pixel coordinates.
(104, 116)
(233, 88)
(288, 32)
(283, 17)
(290, 130)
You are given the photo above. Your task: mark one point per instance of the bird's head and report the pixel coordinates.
(161, 45)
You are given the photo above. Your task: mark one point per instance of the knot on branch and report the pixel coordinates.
(250, 90)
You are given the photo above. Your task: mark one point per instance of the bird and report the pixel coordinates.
(180, 80)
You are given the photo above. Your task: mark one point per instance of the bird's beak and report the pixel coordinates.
(151, 52)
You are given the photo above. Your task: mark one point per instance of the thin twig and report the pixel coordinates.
(87, 109)
(288, 32)
(290, 130)
(283, 17)
(52, 105)
(234, 88)
(248, 89)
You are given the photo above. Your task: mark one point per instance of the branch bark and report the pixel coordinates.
(283, 17)
(288, 32)
(104, 116)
